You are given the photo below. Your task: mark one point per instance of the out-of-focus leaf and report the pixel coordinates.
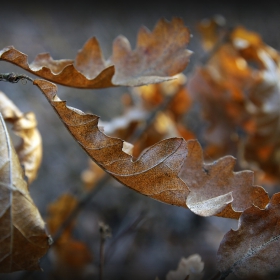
(156, 173)
(72, 254)
(58, 212)
(190, 268)
(159, 55)
(253, 249)
(92, 175)
(154, 94)
(25, 126)
(218, 87)
(239, 93)
(262, 146)
(23, 236)
(209, 31)
(69, 252)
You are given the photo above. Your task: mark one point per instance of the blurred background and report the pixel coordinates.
(148, 237)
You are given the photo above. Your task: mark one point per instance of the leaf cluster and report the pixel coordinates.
(171, 170)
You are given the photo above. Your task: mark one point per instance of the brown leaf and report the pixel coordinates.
(253, 249)
(156, 173)
(214, 186)
(25, 126)
(190, 268)
(23, 237)
(158, 55)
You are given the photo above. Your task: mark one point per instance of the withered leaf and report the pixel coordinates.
(158, 55)
(23, 237)
(25, 126)
(156, 173)
(253, 249)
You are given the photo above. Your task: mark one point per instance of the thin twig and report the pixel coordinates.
(13, 77)
(123, 233)
(101, 257)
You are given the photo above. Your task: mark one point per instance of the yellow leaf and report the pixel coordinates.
(23, 237)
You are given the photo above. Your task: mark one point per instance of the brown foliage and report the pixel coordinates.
(238, 88)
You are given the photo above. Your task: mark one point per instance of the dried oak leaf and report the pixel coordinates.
(25, 126)
(23, 237)
(156, 173)
(253, 249)
(158, 55)
(190, 268)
